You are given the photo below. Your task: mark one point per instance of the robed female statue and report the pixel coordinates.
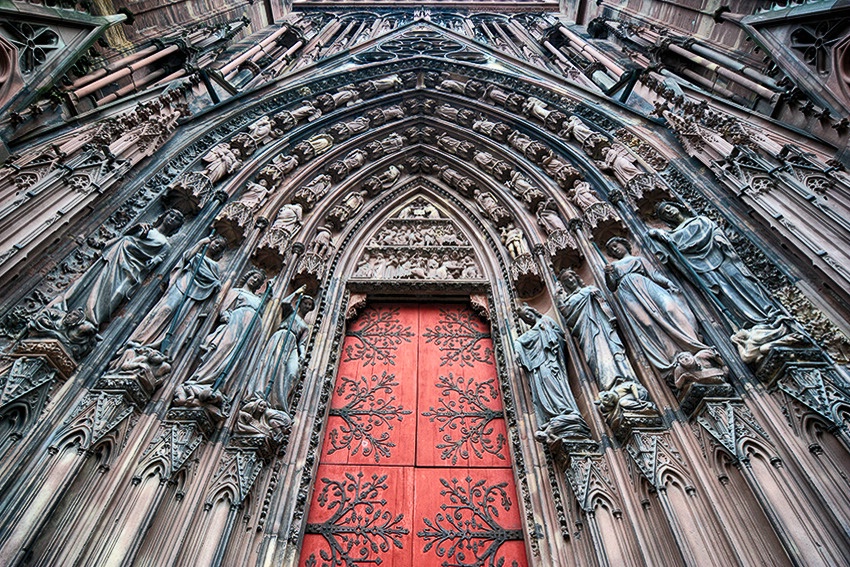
(665, 326)
(591, 321)
(540, 350)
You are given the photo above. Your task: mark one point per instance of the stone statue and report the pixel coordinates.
(280, 166)
(322, 242)
(312, 147)
(665, 326)
(260, 130)
(220, 347)
(257, 418)
(148, 365)
(490, 207)
(627, 401)
(284, 352)
(549, 218)
(514, 240)
(375, 87)
(385, 180)
(309, 194)
(591, 142)
(342, 131)
(617, 160)
(523, 189)
(71, 329)
(583, 195)
(194, 280)
(592, 323)
(540, 351)
(255, 195)
(288, 219)
(125, 262)
(221, 161)
(704, 254)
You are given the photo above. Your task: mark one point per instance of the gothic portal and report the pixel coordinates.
(452, 284)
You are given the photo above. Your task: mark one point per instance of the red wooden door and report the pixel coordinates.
(415, 468)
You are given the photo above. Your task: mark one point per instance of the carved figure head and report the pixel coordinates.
(307, 304)
(618, 247)
(570, 280)
(253, 279)
(670, 212)
(170, 221)
(528, 314)
(217, 247)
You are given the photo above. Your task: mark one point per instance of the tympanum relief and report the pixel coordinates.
(419, 243)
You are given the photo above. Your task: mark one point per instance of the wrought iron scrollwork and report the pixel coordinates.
(458, 338)
(379, 336)
(468, 533)
(464, 408)
(360, 525)
(367, 416)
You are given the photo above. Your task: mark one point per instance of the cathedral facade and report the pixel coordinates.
(493, 284)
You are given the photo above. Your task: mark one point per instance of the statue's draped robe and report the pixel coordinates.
(207, 280)
(540, 350)
(281, 359)
(116, 275)
(590, 321)
(664, 325)
(223, 341)
(705, 248)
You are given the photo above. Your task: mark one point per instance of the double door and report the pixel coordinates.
(415, 467)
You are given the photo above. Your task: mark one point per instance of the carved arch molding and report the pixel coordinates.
(463, 182)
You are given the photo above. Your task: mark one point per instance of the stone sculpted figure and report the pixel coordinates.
(257, 418)
(665, 326)
(220, 346)
(623, 401)
(221, 161)
(310, 194)
(194, 280)
(540, 351)
(617, 160)
(147, 364)
(285, 350)
(549, 218)
(125, 262)
(514, 240)
(704, 253)
(71, 329)
(591, 321)
(583, 195)
(260, 130)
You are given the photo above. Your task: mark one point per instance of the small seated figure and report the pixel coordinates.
(72, 329)
(146, 364)
(257, 418)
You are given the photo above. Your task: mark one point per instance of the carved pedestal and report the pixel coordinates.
(806, 375)
(693, 394)
(52, 351)
(603, 222)
(623, 422)
(233, 222)
(272, 249)
(133, 387)
(646, 190)
(197, 420)
(24, 391)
